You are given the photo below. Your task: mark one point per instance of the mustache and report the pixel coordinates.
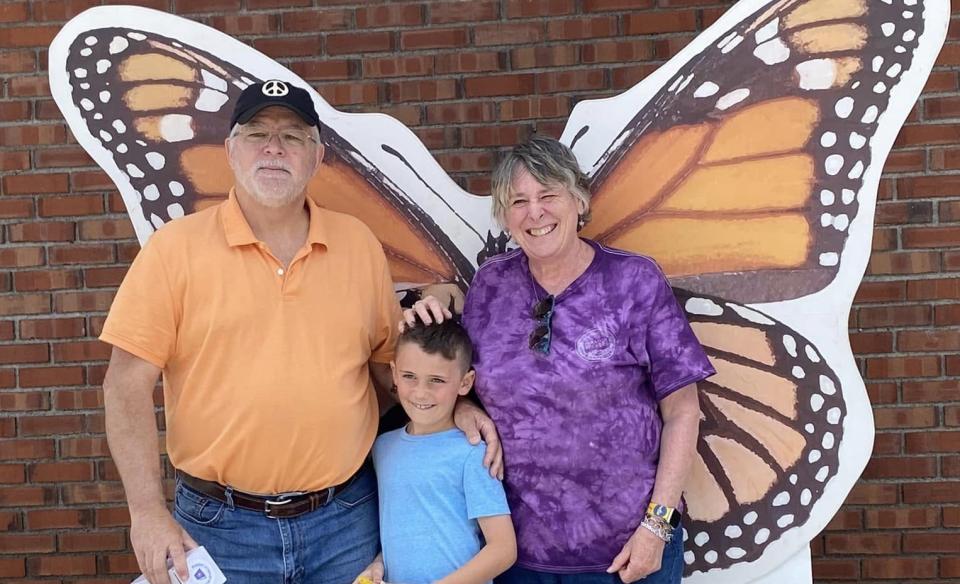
(273, 165)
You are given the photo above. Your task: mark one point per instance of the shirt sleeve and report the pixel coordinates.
(144, 316)
(383, 332)
(676, 358)
(484, 494)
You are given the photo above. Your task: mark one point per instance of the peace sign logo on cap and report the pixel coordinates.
(275, 88)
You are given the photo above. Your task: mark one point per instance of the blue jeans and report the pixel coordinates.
(330, 545)
(670, 572)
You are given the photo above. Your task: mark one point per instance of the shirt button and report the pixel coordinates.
(279, 271)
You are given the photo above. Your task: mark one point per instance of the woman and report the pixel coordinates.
(588, 367)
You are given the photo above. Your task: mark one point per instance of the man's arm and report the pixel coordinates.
(135, 447)
(678, 446)
(382, 382)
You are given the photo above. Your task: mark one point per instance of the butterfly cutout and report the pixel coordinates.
(747, 166)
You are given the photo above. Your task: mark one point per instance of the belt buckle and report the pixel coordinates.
(270, 506)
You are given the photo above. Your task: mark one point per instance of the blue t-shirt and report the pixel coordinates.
(432, 489)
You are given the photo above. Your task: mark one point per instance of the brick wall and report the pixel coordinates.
(468, 77)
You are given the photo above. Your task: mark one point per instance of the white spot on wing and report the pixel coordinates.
(86, 104)
(909, 35)
(877, 63)
(827, 197)
(828, 139)
(870, 115)
(706, 89)
(751, 315)
(894, 70)
(122, 148)
(833, 415)
(105, 136)
(828, 440)
(176, 127)
(137, 36)
(786, 519)
(772, 52)
(104, 96)
(847, 196)
(211, 100)
(888, 28)
(175, 210)
(829, 259)
(750, 518)
(80, 73)
(118, 45)
(857, 170)
(833, 164)
(762, 536)
(857, 141)
(816, 402)
(844, 107)
(817, 74)
(701, 538)
(735, 553)
(156, 220)
(211, 80)
(767, 31)
(134, 171)
(102, 66)
(176, 189)
(90, 40)
(732, 45)
(86, 52)
(703, 307)
(119, 126)
(790, 344)
(151, 193)
(155, 160)
(733, 531)
(733, 98)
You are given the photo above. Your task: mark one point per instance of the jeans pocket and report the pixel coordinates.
(363, 488)
(197, 508)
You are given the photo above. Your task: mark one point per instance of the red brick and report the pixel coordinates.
(468, 62)
(255, 4)
(71, 205)
(30, 232)
(350, 93)
(932, 492)
(931, 237)
(359, 42)
(903, 367)
(81, 351)
(832, 569)
(50, 425)
(425, 90)
(901, 467)
(11, 111)
(92, 493)
(457, 113)
(22, 353)
(51, 328)
(944, 158)
(577, 80)
(112, 517)
(61, 472)
(27, 36)
(927, 134)
(12, 473)
(493, 85)
(467, 162)
(31, 184)
(62, 565)
(12, 567)
(938, 289)
(881, 292)
(394, 15)
(610, 5)
(103, 277)
(14, 160)
(900, 212)
(16, 208)
(501, 135)
(845, 520)
(513, 33)
(21, 257)
(17, 61)
(446, 12)
(26, 543)
(905, 417)
(872, 494)
(32, 134)
(121, 564)
(448, 38)
(61, 9)
(298, 46)
(931, 441)
(24, 304)
(903, 161)
(81, 254)
(33, 281)
(929, 340)
(617, 51)
(247, 24)
(581, 28)
(897, 568)
(59, 518)
(950, 567)
(535, 107)
(438, 138)
(923, 187)
(538, 8)
(315, 20)
(98, 301)
(29, 87)
(863, 543)
(14, 12)
(106, 229)
(906, 518)
(884, 316)
(208, 6)
(549, 56)
(84, 447)
(931, 542)
(884, 239)
(903, 263)
(322, 69)
(951, 516)
(871, 342)
(398, 67)
(661, 22)
(78, 399)
(24, 401)
(91, 542)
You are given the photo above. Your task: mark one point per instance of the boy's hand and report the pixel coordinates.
(373, 574)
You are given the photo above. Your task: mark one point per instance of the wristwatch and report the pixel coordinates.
(669, 515)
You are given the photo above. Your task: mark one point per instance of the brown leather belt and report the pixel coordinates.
(275, 506)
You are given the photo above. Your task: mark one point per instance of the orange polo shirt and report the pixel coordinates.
(265, 374)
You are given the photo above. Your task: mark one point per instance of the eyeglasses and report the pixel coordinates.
(543, 314)
(291, 139)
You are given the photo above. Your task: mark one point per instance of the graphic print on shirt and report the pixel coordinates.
(747, 166)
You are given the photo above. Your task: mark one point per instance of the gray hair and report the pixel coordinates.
(549, 161)
(314, 132)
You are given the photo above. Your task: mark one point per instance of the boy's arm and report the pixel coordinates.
(497, 555)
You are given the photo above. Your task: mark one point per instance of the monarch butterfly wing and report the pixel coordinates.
(743, 162)
(153, 111)
(772, 422)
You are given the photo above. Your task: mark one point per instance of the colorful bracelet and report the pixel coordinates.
(658, 527)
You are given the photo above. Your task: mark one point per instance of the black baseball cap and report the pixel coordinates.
(274, 92)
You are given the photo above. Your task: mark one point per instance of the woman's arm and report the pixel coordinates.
(499, 553)
(680, 410)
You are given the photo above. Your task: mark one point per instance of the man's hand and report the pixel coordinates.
(429, 309)
(476, 424)
(155, 535)
(372, 574)
(640, 556)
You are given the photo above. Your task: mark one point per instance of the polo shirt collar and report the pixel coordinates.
(238, 231)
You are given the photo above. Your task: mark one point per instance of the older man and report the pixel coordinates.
(267, 316)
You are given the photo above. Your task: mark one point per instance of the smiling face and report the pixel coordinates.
(428, 386)
(542, 219)
(273, 173)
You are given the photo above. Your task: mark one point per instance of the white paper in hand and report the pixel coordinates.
(200, 566)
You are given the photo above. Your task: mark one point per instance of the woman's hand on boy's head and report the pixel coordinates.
(476, 424)
(447, 294)
(428, 309)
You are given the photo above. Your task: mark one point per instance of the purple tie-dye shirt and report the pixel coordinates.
(580, 426)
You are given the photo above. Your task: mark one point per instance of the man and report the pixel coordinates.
(267, 316)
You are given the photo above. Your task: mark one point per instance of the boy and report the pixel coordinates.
(436, 497)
